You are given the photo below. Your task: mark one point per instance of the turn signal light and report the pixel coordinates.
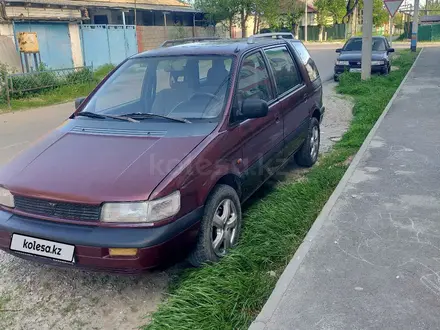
(117, 252)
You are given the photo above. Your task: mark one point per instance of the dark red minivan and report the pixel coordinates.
(156, 162)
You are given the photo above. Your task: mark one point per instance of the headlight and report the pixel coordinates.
(342, 63)
(6, 198)
(377, 62)
(138, 212)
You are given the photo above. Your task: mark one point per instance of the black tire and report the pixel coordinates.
(386, 71)
(204, 251)
(336, 78)
(304, 155)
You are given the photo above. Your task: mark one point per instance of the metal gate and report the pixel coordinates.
(54, 42)
(107, 44)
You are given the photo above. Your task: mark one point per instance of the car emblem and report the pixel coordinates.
(52, 204)
(359, 63)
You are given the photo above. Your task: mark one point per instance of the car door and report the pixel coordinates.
(292, 96)
(262, 138)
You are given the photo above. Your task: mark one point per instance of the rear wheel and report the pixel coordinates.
(308, 154)
(220, 228)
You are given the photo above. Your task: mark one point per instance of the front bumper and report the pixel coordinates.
(156, 245)
(375, 69)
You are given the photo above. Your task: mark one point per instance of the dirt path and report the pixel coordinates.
(337, 116)
(34, 296)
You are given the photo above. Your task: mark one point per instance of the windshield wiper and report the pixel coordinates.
(99, 116)
(140, 116)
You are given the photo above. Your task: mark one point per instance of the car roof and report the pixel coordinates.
(233, 47)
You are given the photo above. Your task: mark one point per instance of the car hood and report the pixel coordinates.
(89, 164)
(357, 56)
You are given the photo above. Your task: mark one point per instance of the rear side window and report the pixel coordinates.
(253, 81)
(284, 68)
(304, 55)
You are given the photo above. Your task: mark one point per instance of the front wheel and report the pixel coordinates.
(308, 154)
(220, 227)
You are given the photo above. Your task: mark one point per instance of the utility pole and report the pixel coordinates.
(415, 26)
(135, 12)
(305, 22)
(367, 39)
(391, 29)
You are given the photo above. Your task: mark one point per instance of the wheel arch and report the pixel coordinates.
(229, 179)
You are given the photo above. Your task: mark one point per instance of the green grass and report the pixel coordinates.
(230, 294)
(56, 95)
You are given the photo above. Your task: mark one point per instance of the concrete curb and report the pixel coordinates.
(290, 271)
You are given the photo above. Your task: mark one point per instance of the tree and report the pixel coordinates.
(328, 12)
(433, 8)
(380, 14)
(337, 10)
(245, 8)
(349, 9)
(220, 10)
(267, 9)
(287, 13)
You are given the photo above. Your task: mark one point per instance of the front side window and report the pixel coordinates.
(379, 45)
(283, 66)
(253, 79)
(192, 87)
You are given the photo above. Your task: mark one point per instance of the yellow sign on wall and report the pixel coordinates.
(28, 42)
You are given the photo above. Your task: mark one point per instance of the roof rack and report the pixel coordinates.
(186, 40)
(273, 35)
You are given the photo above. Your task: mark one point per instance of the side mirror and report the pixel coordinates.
(254, 108)
(339, 50)
(391, 50)
(78, 102)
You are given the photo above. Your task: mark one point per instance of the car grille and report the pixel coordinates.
(354, 64)
(61, 210)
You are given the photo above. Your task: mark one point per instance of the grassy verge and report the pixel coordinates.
(229, 294)
(57, 95)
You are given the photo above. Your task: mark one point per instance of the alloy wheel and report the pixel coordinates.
(314, 142)
(224, 227)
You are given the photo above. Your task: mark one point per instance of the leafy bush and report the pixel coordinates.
(103, 70)
(79, 76)
(3, 74)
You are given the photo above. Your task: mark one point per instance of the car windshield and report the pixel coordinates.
(192, 87)
(356, 45)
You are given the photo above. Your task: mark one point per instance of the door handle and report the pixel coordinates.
(277, 119)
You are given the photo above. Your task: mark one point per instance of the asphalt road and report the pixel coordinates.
(325, 57)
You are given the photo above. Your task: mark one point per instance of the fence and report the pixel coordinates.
(107, 44)
(150, 37)
(24, 83)
(429, 32)
(425, 32)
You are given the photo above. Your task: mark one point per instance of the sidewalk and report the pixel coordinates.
(372, 258)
